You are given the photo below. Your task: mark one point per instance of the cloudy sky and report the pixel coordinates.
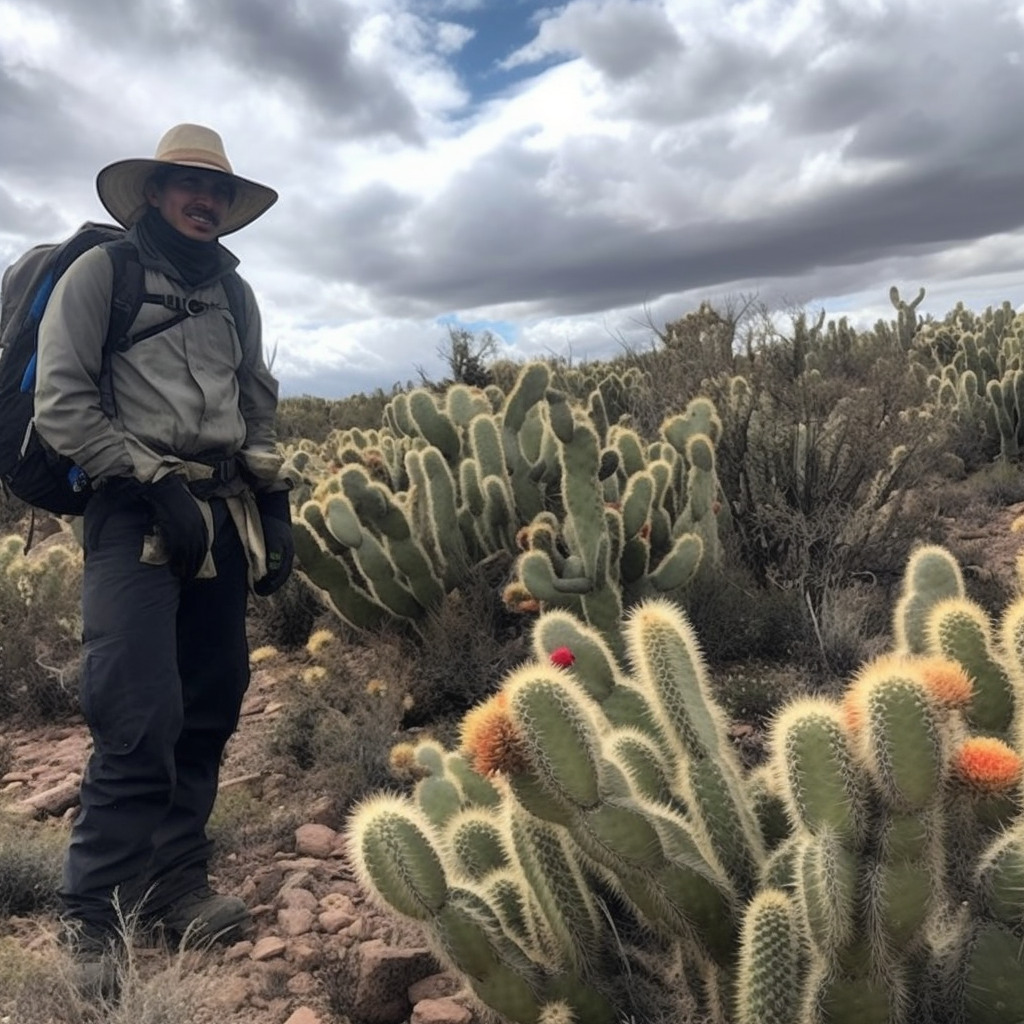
(561, 174)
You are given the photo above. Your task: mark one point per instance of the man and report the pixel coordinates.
(187, 512)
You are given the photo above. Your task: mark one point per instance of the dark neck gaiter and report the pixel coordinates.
(197, 262)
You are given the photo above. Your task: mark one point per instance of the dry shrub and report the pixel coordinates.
(40, 986)
(343, 714)
(467, 646)
(243, 819)
(998, 484)
(753, 691)
(736, 618)
(40, 627)
(285, 619)
(31, 855)
(852, 626)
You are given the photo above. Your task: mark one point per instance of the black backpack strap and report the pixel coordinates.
(127, 297)
(234, 288)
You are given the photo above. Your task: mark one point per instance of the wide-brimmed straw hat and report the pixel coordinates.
(121, 185)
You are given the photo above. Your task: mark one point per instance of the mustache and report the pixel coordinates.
(205, 211)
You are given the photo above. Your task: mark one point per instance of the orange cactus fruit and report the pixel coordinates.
(987, 764)
(514, 594)
(947, 681)
(403, 764)
(490, 739)
(944, 680)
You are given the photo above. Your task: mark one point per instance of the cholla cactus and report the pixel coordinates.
(872, 870)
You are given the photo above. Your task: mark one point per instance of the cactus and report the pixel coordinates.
(871, 871)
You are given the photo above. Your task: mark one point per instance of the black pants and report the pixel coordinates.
(165, 668)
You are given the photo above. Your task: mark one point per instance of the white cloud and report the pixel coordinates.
(640, 156)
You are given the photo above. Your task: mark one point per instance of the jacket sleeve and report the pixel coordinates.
(257, 401)
(68, 413)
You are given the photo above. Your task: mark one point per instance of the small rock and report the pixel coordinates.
(303, 1015)
(306, 954)
(337, 901)
(262, 885)
(239, 951)
(297, 898)
(440, 1011)
(298, 879)
(315, 841)
(57, 799)
(268, 947)
(384, 971)
(435, 986)
(323, 811)
(332, 921)
(294, 921)
(15, 777)
(302, 984)
(231, 994)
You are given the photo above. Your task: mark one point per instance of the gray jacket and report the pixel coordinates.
(195, 392)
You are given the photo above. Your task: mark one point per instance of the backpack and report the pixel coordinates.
(29, 468)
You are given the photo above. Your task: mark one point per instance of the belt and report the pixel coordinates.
(225, 474)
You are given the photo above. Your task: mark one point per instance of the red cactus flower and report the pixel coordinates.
(562, 657)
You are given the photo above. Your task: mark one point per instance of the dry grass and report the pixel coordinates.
(31, 855)
(39, 987)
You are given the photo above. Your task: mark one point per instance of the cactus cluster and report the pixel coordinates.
(975, 373)
(391, 520)
(872, 870)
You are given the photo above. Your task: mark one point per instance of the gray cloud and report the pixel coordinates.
(301, 46)
(821, 148)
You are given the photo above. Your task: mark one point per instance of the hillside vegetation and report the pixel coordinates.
(560, 586)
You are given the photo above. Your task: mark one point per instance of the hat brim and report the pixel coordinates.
(121, 188)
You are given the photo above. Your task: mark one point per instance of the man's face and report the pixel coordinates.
(193, 201)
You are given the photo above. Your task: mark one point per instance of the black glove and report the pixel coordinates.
(181, 524)
(276, 517)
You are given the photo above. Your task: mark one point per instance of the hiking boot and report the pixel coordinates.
(97, 955)
(204, 916)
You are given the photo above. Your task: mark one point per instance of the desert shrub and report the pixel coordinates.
(753, 691)
(819, 469)
(738, 618)
(31, 855)
(998, 484)
(285, 619)
(686, 353)
(40, 627)
(6, 756)
(467, 644)
(851, 626)
(242, 819)
(343, 714)
(40, 986)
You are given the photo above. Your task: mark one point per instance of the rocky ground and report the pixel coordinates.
(320, 953)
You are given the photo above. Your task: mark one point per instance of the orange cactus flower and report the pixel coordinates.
(515, 594)
(852, 707)
(947, 682)
(490, 738)
(988, 764)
